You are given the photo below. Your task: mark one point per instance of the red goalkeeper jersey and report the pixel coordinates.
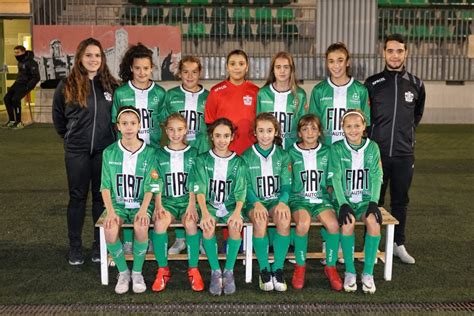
(238, 104)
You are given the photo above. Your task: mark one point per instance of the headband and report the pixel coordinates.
(353, 112)
(128, 110)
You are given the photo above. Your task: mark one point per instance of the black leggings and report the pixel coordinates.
(83, 169)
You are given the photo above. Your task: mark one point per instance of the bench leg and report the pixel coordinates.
(248, 232)
(389, 252)
(104, 268)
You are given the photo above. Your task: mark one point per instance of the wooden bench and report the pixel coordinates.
(247, 256)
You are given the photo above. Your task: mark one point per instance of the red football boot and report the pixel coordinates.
(197, 284)
(298, 277)
(162, 277)
(333, 277)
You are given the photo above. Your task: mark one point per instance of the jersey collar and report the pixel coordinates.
(185, 149)
(367, 141)
(130, 84)
(272, 88)
(335, 86)
(190, 92)
(302, 150)
(213, 155)
(260, 155)
(125, 150)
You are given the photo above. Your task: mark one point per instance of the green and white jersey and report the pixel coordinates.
(129, 175)
(330, 102)
(150, 103)
(191, 106)
(309, 170)
(356, 175)
(283, 106)
(175, 168)
(267, 175)
(221, 180)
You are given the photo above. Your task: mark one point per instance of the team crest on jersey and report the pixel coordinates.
(107, 96)
(248, 100)
(355, 96)
(155, 99)
(324, 160)
(154, 174)
(409, 96)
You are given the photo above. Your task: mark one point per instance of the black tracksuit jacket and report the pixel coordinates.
(397, 102)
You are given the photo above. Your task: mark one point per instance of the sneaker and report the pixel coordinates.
(75, 257)
(128, 247)
(265, 281)
(368, 285)
(8, 124)
(162, 277)
(18, 125)
(95, 256)
(333, 277)
(298, 276)
(278, 279)
(215, 288)
(194, 277)
(228, 282)
(139, 285)
(401, 252)
(123, 282)
(350, 282)
(178, 246)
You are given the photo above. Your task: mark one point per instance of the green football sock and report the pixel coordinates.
(180, 233)
(347, 244)
(127, 234)
(370, 252)
(233, 246)
(210, 245)
(292, 235)
(260, 245)
(139, 253)
(280, 248)
(192, 242)
(332, 248)
(324, 234)
(116, 251)
(160, 247)
(271, 231)
(301, 248)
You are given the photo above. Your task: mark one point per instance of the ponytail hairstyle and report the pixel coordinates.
(340, 46)
(293, 80)
(356, 112)
(78, 86)
(267, 116)
(135, 51)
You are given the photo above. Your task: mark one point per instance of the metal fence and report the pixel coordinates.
(437, 36)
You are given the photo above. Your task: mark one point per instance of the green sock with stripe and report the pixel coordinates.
(116, 251)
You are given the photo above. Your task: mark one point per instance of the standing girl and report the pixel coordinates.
(356, 173)
(140, 91)
(81, 115)
(269, 184)
(309, 198)
(189, 99)
(235, 99)
(220, 188)
(175, 164)
(129, 179)
(282, 96)
(331, 98)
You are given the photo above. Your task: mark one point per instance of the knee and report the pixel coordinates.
(259, 229)
(302, 227)
(234, 233)
(347, 229)
(332, 227)
(373, 228)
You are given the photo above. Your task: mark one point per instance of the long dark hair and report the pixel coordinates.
(220, 121)
(135, 51)
(267, 116)
(77, 86)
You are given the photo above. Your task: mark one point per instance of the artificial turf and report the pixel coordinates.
(33, 242)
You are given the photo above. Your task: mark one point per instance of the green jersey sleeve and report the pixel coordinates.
(106, 181)
(286, 179)
(335, 175)
(376, 174)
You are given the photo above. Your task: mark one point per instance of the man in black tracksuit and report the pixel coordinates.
(397, 100)
(28, 77)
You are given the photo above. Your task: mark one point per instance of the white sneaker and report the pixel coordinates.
(123, 282)
(350, 282)
(178, 246)
(139, 285)
(278, 280)
(368, 285)
(401, 252)
(128, 247)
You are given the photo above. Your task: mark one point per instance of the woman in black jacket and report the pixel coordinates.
(81, 115)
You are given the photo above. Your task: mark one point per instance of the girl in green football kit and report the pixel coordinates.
(356, 173)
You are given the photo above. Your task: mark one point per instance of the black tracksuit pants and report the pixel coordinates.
(13, 101)
(83, 170)
(398, 173)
